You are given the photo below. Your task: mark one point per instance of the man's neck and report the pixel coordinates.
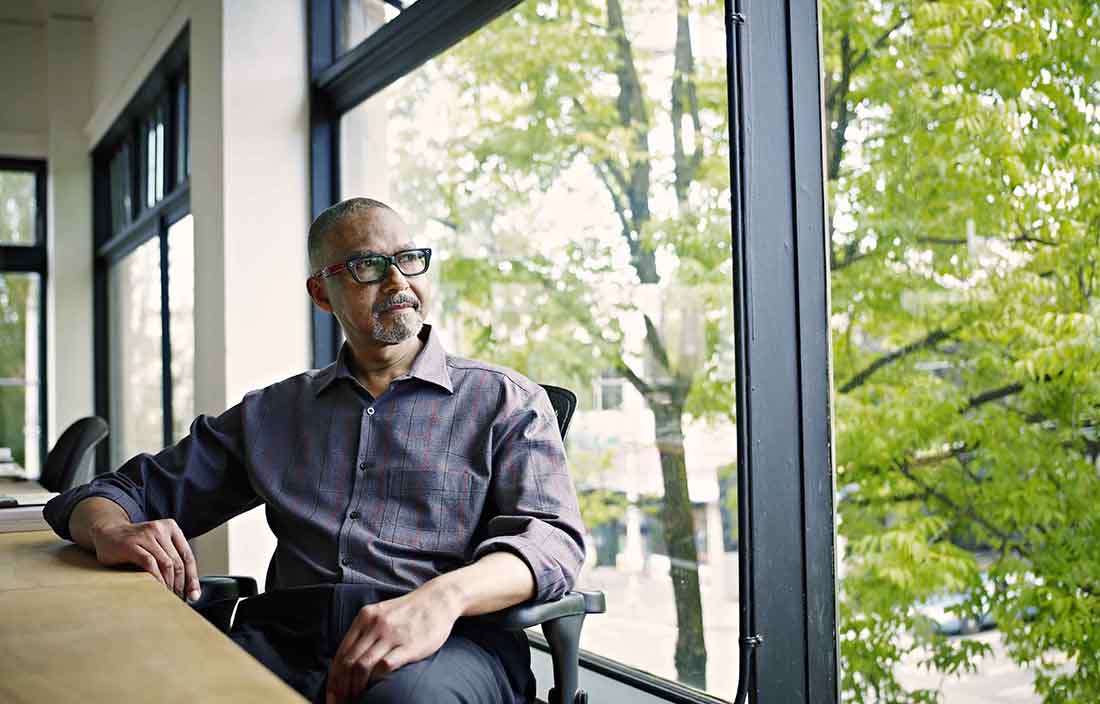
(376, 366)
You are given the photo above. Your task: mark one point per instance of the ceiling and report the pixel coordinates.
(36, 12)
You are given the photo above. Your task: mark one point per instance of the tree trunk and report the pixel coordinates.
(679, 527)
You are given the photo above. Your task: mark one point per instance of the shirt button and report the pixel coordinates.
(354, 515)
(370, 411)
(346, 561)
(365, 465)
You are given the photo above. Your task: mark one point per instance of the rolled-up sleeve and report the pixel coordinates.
(200, 482)
(537, 515)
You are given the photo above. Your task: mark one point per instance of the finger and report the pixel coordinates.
(176, 562)
(190, 569)
(397, 658)
(164, 562)
(146, 561)
(368, 666)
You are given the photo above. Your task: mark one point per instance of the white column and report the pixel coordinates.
(250, 200)
(69, 224)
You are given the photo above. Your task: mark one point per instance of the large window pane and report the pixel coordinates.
(181, 319)
(362, 18)
(137, 407)
(585, 241)
(965, 230)
(17, 207)
(20, 323)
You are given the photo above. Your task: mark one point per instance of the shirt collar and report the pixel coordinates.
(430, 365)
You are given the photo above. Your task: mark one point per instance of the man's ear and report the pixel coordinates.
(316, 288)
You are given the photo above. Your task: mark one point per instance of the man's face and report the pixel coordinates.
(384, 313)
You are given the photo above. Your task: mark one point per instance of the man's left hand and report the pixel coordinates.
(389, 635)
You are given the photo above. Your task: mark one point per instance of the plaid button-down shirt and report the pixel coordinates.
(455, 460)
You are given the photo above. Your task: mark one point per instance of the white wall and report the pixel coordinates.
(23, 131)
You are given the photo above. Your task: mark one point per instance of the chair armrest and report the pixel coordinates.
(521, 616)
(219, 598)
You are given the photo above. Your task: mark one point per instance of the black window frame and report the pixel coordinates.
(165, 89)
(788, 605)
(33, 259)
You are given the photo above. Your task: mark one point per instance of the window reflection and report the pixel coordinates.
(181, 319)
(137, 407)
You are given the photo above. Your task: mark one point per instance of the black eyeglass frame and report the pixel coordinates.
(390, 259)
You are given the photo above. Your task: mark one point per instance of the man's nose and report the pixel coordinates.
(394, 279)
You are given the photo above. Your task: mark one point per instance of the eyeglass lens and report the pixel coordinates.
(373, 267)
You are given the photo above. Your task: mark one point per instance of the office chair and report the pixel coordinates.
(69, 452)
(561, 620)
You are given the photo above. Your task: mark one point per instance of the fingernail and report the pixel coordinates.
(195, 594)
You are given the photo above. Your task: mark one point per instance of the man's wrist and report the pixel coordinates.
(448, 589)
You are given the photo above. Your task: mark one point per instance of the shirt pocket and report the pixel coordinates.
(437, 510)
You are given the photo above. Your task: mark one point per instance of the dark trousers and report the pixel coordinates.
(295, 632)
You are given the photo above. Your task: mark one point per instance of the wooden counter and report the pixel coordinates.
(72, 630)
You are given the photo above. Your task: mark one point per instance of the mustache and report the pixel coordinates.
(399, 299)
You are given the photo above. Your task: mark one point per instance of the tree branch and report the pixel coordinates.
(656, 346)
(928, 341)
(683, 86)
(623, 368)
(993, 395)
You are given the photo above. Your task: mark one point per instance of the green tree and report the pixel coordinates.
(963, 152)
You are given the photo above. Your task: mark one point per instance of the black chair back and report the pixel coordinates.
(564, 402)
(68, 454)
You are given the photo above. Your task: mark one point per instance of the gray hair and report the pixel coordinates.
(330, 216)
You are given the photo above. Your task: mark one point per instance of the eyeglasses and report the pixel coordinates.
(372, 268)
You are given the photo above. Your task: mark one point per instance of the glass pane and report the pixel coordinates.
(20, 424)
(571, 238)
(121, 188)
(137, 408)
(181, 319)
(362, 18)
(17, 207)
(962, 175)
(154, 160)
(183, 140)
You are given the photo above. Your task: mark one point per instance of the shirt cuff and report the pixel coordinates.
(59, 509)
(551, 580)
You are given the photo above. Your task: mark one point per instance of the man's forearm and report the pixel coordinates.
(496, 581)
(92, 513)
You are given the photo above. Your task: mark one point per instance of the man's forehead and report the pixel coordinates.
(377, 231)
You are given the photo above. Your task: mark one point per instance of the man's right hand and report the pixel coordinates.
(158, 547)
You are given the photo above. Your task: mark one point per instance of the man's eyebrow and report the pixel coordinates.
(369, 252)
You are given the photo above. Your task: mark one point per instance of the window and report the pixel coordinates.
(965, 324)
(360, 19)
(578, 194)
(145, 262)
(22, 314)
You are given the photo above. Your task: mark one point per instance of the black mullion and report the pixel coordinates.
(145, 228)
(43, 321)
(426, 29)
(324, 152)
(22, 258)
(101, 222)
(166, 337)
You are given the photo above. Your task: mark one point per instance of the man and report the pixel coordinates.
(406, 487)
